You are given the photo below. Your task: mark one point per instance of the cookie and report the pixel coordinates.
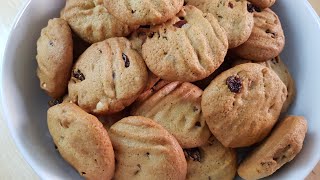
(144, 12)
(282, 71)
(92, 22)
(232, 15)
(145, 150)
(267, 39)
(188, 48)
(281, 147)
(107, 77)
(243, 103)
(54, 57)
(263, 3)
(82, 141)
(211, 161)
(177, 107)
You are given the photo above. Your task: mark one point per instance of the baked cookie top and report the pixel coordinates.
(92, 22)
(277, 65)
(211, 161)
(232, 15)
(242, 104)
(145, 150)
(55, 57)
(188, 48)
(144, 12)
(281, 147)
(267, 39)
(107, 77)
(82, 141)
(177, 107)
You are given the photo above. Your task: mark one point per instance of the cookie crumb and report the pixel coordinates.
(126, 60)
(180, 23)
(193, 153)
(234, 84)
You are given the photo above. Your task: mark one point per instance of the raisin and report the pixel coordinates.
(180, 23)
(193, 154)
(126, 60)
(234, 84)
(230, 5)
(50, 43)
(83, 173)
(78, 75)
(55, 102)
(133, 11)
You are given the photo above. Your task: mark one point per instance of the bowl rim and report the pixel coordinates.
(4, 111)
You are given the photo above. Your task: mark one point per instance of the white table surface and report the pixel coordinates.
(12, 164)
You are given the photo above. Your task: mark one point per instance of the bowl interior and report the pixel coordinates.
(24, 104)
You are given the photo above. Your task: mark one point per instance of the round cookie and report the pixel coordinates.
(108, 77)
(263, 3)
(232, 15)
(266, 40)
(243, 103)
(281, 147)
(282, 71)
(188, 48)
(82, 141)
(145, 150)
(54, 57)
(177, 107)
(144, 12)
(211, 161)
(92, 22)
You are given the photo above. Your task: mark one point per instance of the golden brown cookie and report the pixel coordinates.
(92, 22)
(211, 161)
(263, 3)
(266, 40)
(281, 147)
(243, 103)
(145, 150)
(54, 57)
(82, 141)
(177, 107)
(189, 47)
(282, 71)
(144, 12)
(108, 77)
(232, 15)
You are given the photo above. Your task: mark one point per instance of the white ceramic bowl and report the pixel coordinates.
(24, 105)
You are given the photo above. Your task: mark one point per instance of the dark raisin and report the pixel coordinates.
(148, 154)
(100, 51)
(145, 26)
(250, 8)
(83, 173)
(230, 5)
(179, 24)
(133, 11)
(55, 102)
(234, 84)
(198, 124)
(78, 75)
(50, 43)
(113, 75)
(126, 60)
(273, 35)
(219, 16)
(151, 34)
(193, 154)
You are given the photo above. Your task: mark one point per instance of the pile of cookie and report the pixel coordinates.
(169, 89)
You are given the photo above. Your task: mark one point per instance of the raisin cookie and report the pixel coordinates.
(92, 22)
(281, 147)
(177, 107)
(82, 141)
(144, 12)
(267, 39)
(55, 57)
(188, 48)
(243, 103)
(232, 15)
(282, 71)
(145, 150)
(263, 3)
(108, 77)
(211, 161)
